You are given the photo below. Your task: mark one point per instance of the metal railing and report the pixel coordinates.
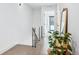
(34, 38)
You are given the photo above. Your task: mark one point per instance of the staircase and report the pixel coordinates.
(34, 38)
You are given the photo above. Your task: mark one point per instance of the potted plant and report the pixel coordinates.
(59, 44)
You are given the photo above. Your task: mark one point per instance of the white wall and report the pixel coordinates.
(73, 22)
(37, 20)
(15, 25)
(58, 17)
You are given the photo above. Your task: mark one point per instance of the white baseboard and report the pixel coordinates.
(6, 49)
(23, 43)
(11, 46)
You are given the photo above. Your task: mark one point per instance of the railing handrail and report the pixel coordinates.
(34, 41)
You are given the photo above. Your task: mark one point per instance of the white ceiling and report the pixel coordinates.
(38, 5)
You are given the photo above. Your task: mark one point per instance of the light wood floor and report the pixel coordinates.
(27, 50)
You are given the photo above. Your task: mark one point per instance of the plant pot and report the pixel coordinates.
(49, 50)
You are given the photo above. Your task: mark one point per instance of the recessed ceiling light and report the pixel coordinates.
(19, 4)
